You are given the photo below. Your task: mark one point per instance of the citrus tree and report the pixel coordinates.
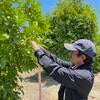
(20, 21)
(71, 20)
(97, 59)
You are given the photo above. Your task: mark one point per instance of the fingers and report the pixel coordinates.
(35, 45)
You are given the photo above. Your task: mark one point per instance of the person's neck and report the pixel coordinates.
(79, 64)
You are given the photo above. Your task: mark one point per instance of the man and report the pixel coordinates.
(75, 77)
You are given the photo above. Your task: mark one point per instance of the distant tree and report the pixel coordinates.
(70, 21)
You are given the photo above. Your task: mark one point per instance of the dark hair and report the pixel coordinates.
(88, 60)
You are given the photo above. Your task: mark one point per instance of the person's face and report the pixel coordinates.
(75, 59)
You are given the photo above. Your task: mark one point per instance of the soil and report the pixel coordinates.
(50, 87)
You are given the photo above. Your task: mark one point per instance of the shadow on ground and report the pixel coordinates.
(45, 79)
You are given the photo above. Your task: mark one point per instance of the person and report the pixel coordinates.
(76, 77)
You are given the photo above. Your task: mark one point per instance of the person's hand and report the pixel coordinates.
(35, 45)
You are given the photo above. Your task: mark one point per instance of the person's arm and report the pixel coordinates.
(56, 59)
(75, 79)
(51, 56)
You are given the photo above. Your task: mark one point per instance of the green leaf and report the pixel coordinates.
(4, 37)
(2, 62)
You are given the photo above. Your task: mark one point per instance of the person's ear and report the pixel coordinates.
(83, 57)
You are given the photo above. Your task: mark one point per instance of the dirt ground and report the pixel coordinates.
(50, 87)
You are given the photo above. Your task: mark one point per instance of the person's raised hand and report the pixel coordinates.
(34, 45)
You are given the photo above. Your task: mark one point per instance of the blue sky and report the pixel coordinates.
(48, 6)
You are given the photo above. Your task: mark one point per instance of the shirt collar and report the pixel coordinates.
(85, 66)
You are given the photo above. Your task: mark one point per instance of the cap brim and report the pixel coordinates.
(70, 47)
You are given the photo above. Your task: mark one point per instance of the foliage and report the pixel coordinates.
(20, 21)
(97, 59)
(70, 21)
